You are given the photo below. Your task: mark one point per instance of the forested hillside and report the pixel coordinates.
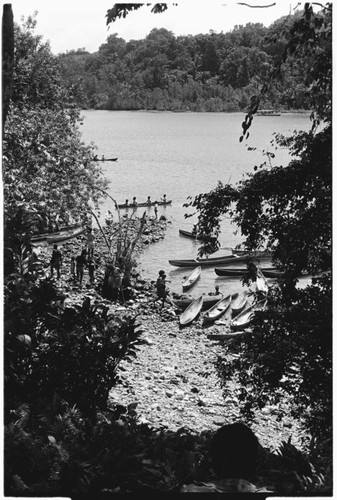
(205, 72)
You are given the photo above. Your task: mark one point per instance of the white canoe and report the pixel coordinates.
(239, 300)
(218, 309)
(191, 312)
(245, 317)
(192, 278)
(261, 282)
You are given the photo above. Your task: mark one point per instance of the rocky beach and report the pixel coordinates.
(173, 379)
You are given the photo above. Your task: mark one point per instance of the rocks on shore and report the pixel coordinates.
(173, 379)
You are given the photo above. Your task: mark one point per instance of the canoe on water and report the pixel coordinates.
(239, 300)
(105, 159)
(211, 261)
(145, 204)
(239, 271)
(256, 253)
(192, 279)
(209, 301)
(191, 312)
(188, 234)
(244, 319)
(218, 309)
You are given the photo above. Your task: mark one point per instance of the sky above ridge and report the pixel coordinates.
(73, 24)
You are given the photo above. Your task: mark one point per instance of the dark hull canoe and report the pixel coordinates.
(145, 204)
(188, 234)
(236, 271)
(211, 261)
(191, 312)
(105, 159)
(244, 319)
(208, 301)
(218, 309)
(192, 279)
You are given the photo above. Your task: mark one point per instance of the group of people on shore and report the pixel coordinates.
(78, 263)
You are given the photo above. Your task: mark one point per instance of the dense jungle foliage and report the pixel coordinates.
(205, 72)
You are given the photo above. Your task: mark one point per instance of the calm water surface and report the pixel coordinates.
(181, 155)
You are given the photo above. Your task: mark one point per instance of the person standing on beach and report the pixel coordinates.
(162, 291)
(81, 261)
(72, 266)
(156, 210)
(55, 262)
(91, 269)
(90, 243)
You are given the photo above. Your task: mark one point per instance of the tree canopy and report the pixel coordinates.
(46, 167)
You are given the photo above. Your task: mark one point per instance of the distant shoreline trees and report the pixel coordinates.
(206, 72)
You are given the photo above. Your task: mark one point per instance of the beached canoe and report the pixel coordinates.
(145, 204)
(261, 282)
(209, 301)
(188, 234)
(191, 312)
(218, 309)
(192, 279)
(65, 235)
(245, 317)
(239, 271)
(239, 300)
(46, 238)
(211, 261)
(272, 273)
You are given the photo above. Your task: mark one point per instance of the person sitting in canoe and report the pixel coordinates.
(103, 158)
(126, 203)
(216, 292)
(164, 198)
(148, 201)
(134, 201)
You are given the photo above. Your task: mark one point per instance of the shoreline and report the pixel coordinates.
(173, 378)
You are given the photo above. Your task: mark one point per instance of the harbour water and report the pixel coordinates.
(181, 155)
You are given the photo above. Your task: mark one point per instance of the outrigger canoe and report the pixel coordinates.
(192, 279)
(243, 319)
(239, 271)
(208, 301)
(218, 309)
(239, 300)
(191, 312)
(145, 204)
